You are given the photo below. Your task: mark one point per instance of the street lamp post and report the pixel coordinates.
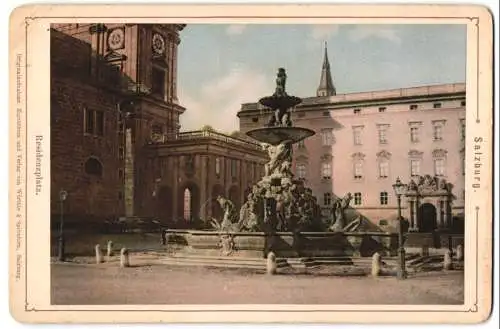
(62, 197)
(399, 189)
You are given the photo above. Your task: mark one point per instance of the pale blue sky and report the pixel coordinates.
(222, 66)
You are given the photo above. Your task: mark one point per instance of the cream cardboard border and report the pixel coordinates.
(29, 109)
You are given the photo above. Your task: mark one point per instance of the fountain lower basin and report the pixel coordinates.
(284, 244)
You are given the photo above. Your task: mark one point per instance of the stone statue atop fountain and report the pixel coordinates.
(280, 83)
(281, 117)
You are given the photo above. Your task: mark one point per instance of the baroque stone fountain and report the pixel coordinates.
(280, 213)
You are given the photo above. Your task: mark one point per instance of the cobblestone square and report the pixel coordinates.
(107, 284)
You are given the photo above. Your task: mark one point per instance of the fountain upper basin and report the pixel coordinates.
(280, 102)
(277, 135)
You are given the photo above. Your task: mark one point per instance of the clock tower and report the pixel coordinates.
(144, 58)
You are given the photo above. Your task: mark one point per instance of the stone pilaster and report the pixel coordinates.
(174, 73)
(440, 212)
(98, 43)
(415, 215)
(129, 174)
(175, 188)
(446, 218)
(412, 214)
(171, 73)
(203, 186)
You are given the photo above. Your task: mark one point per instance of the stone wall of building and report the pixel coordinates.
(91, 86)
(207, 167)
(93, 192)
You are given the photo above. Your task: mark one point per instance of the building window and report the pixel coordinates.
(99, 123)
(463, 195)
(327, 199)
(255, 119)
(383, 169)
(384, 198)
(93, 167)
(382, 109)
(357, 199)
(120, 174)
(382, 134)
(357, 135)
(121, 153)
(413, 106)
(158, 82)
(415, 167)
(436, 105)
(439, 167)
(187, 205)
(326, 170)
(89, 121)
(217, 166)
(358, 169)
(94, 122)
(357, 111)
(414, 134)
(462, 103)
(326, 113)
(327, 137)
(301, 171)
(437, 132)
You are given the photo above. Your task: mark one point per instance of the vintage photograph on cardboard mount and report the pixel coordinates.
(243, 164)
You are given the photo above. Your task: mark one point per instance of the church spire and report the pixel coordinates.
(326, 87)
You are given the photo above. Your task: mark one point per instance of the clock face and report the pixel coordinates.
(158, 44)
(116, 39)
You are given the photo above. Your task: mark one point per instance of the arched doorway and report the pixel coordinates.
(216, 209)
(427, 219)
(187, 213)
(188, 203)
(164, 204)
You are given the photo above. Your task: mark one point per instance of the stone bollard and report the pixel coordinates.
(98, 254)
(271, 263)
(447, 263)
(425, 251)
(109, 251)
(124, 258)
(376, 264)
(164, 237)
(460, 253)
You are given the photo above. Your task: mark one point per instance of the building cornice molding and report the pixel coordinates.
(327, 104)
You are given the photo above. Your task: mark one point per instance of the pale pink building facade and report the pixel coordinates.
(364, 141)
